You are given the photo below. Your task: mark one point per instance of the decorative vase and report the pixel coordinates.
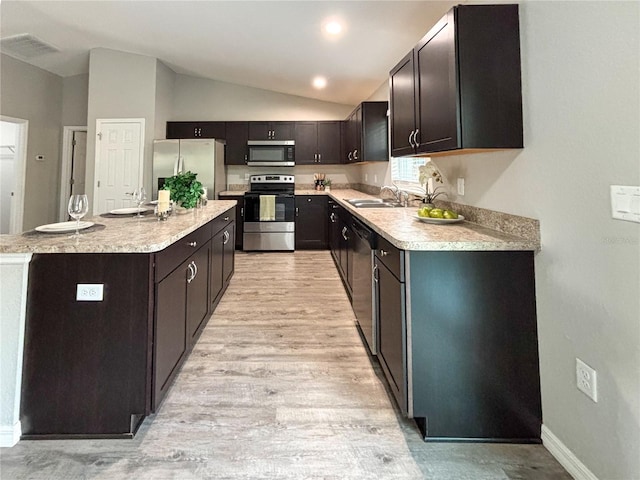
(429, 205)
(178, 209)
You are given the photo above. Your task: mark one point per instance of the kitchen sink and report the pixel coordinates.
(373, 203)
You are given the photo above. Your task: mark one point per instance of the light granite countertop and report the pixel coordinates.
(118, 234)
(399, 226)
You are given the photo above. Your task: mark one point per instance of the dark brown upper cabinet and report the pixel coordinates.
(236, 148)
(317, 142)
(460, 87)
(271, 130)
(366, 133)
(196, 130)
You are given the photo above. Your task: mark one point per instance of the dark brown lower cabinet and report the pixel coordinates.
(170, 331)
(198, 290)
(239, 227)
(216, 281)
(222, 262)
(458, 342)
(96, 369)
(311, 224)
(85, 363)
(229, 245)
(392, 331)
(334, 231)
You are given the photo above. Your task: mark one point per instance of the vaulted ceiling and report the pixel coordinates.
(273, 45)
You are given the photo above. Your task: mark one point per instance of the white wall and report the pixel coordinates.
(202, 99)
(581, 92)
(13, 291)
(165, 87)
(121, 85)
(32, 94)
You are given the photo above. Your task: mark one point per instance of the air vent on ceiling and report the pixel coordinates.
(26, 45)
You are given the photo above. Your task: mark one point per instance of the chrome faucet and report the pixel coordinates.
(399, 195)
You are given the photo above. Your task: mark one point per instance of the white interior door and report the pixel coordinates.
(119, 162)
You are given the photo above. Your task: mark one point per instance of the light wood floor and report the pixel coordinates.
(279, 386)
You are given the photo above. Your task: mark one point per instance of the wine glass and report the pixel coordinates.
(78, 208)
(139, 195)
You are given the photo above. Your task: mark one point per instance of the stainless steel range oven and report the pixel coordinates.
(269, 213)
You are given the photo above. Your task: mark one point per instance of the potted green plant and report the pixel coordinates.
(327, 184)
(185, 189)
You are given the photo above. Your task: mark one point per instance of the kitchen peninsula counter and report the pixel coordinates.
(124, 234)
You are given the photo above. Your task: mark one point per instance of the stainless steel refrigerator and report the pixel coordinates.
(205, 157)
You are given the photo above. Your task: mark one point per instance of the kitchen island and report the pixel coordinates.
(112, 314)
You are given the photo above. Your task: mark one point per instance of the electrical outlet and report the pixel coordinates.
(586, 380)
(246, 176)
(90, 292)
(461, 186)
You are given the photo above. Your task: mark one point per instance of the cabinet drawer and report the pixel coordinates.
(392, 257)
(171, 257)
(221, 221)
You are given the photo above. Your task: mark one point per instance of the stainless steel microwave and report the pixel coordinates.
(271, 153)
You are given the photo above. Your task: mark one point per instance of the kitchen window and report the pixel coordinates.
(404, 173)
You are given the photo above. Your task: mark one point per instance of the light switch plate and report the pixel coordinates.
(625, 203)
(90, 292)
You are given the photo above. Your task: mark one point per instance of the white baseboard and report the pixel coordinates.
(567, 459)
(10, 435)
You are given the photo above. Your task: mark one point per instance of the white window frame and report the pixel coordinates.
(401, 176)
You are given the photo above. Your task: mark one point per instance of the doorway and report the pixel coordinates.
(13, 161)
(74, 162)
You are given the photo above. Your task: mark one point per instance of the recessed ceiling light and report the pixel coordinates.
(319, 82)
(332, 27)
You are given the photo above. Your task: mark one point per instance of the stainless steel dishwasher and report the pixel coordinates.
(363, 289)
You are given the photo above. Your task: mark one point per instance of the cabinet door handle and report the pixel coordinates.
(415, 138)
(410, 142)
(349, 156)
(344, 233)
(225, 237)
(193, 244)
(332, 217)
(319, 157)
(193, 273)
(383, 253)
(242, 212)
(374, 273)
(297, 211)
(355, 154)
(195, 268)
(226, 219)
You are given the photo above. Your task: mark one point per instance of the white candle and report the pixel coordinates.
(163, 200)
